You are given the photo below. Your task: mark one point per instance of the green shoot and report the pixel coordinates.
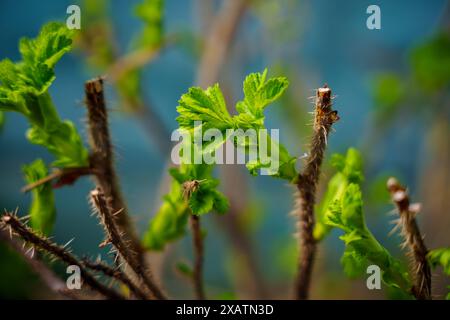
(362, 248)
(208, 106)
(349, 169)
(170, 221)
(42, 210)
(24, 88)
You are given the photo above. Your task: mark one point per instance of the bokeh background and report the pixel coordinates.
(392, 88)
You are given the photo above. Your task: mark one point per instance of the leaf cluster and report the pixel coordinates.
(24, 88)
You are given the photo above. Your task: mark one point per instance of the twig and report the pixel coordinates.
(413, 239)
(197, 241)
(28, 235)
(63, 177)
(101, 160)
(136, 59)
(218, 41)
(116, 274)
(306, 189)
(115, 237)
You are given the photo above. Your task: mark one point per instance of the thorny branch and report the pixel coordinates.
(117, 275)
(419, 266)
(324, 117)
(15, 226)
(103, 207)
(101, 161)
(48, 277)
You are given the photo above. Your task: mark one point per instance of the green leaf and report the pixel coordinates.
(169, 222)
(259, 93)
(201, 202)
(206, 106)
(362, 248)
(42, 210)
(349, 169)
(440, 257)
(24, 88)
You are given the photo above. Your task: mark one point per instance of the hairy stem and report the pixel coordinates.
(101, 161)
(197, 240)
(118, 275)
(419, 266)
(307, 181)
(28, 235)
(116, 238)
(48, 277)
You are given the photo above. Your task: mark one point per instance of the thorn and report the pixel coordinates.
(68, 242)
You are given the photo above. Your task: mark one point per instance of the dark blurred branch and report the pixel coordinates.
(218, 41)
(197, 240)
(62, 176)
(9, 220)
(324, 117)
(117, 275)
(420, 268)
(102, 205)
(48, 277)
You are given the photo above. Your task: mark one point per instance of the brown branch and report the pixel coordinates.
(48, 277)
(116, 238)
(413, 240)
(306, 189)
(63, 177)
(218, 41)
(197, 241)
(136, 59)
(101, 160)
(116, 274)
(28, 235)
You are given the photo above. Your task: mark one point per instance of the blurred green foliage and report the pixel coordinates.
(428, 75)
(42, 210)
(430, 63)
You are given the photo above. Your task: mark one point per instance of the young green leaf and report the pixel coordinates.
(349, 171)
(362, 248)
(206, 109)
(205, 106)
(42, 210)
(170, 221)
(24, 89)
